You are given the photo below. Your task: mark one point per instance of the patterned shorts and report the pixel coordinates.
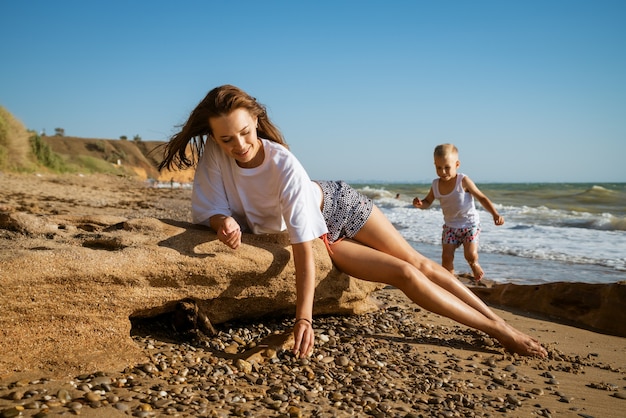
(345, 210)
(458, 236)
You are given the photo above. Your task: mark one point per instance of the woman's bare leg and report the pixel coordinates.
(379, 253)
(380, 234)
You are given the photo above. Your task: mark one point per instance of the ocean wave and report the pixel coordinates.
(553, 229)
(535, 233)
(599, 191)
(389, 202)
(595, 198)
(375, 193)
(618, 264)
(565, 218)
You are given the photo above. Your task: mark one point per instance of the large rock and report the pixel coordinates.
(72, 284)
(599, 307)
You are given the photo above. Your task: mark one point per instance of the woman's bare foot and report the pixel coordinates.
(517, 342)
(477, 270)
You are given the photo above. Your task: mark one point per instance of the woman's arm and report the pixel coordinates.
(304, 337)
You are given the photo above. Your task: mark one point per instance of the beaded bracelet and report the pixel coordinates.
(304, 319)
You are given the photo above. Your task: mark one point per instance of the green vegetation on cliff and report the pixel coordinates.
(24, 151)
(15, 150)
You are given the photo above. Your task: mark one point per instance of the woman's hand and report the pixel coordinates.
(229, 233)
(304, 338)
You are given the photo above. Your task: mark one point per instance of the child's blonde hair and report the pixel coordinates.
(444, 150)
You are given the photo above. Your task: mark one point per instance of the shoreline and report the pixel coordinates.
(513, 269)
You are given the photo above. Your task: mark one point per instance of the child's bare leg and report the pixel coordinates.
(447, 256)
(470, 250)
(370, 264)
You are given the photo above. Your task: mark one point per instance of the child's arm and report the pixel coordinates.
(469, 186)
(428, 200)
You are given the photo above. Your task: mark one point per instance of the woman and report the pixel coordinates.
(246, 178)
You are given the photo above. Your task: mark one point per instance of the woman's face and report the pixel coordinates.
(235, 133)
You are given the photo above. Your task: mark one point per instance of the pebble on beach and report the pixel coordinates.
(352, 373)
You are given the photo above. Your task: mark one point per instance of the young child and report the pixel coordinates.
(456, 193)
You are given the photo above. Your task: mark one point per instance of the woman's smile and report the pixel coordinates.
(236, 134)
(243, 153)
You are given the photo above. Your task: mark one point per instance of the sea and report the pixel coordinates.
(553, 232)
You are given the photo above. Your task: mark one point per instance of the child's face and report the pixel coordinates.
(447, 166)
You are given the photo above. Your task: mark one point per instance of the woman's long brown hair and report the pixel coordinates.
(185, 147)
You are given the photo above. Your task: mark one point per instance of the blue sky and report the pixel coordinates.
(530, 91)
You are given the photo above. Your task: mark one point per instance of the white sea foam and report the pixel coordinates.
(537, 233)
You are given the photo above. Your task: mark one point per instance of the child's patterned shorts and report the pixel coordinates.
(457, 236)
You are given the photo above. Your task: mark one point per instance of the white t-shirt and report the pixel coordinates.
(270, 198)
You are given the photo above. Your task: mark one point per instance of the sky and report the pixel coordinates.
(529, 91)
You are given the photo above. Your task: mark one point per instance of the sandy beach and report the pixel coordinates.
(399, 361)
